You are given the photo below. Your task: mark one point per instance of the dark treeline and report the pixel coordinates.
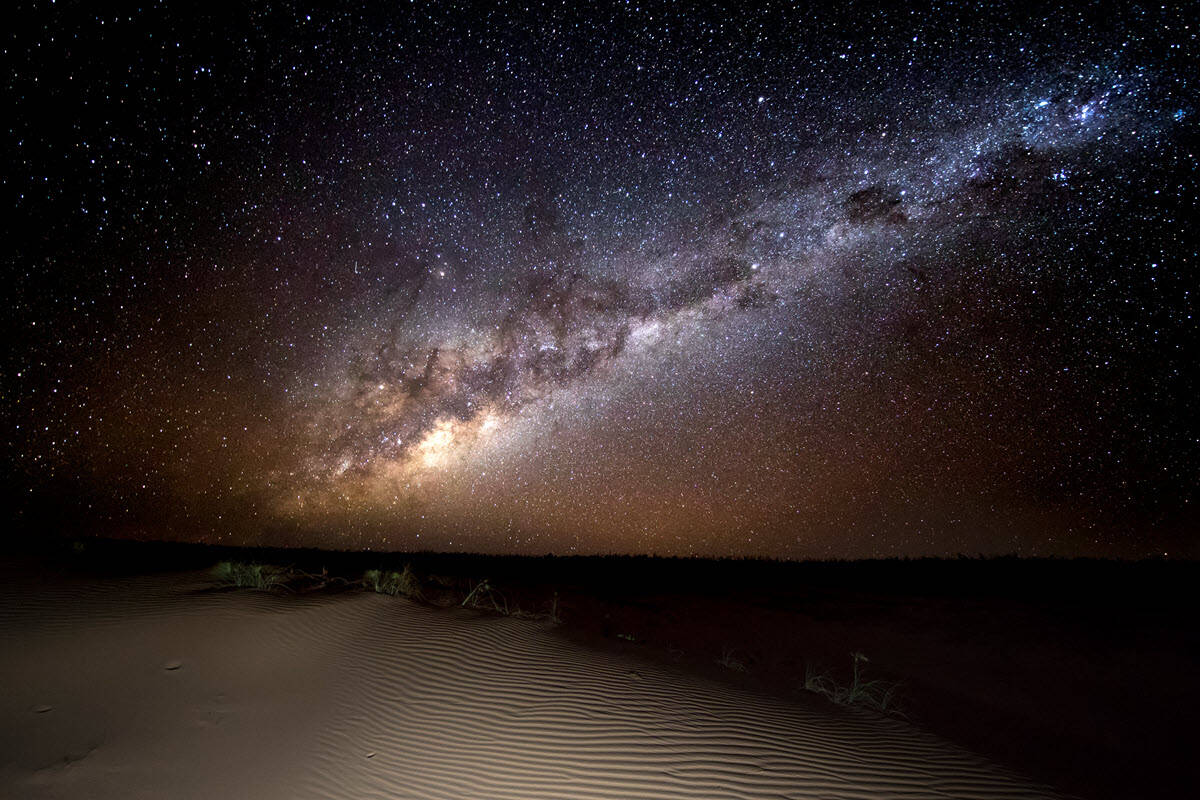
(1091, 581)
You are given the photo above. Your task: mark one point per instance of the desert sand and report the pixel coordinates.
(160, 687)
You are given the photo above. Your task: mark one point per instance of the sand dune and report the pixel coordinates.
(155, 688)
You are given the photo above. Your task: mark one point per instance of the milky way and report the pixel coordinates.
(766, 282)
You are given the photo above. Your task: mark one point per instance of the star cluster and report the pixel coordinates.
(750, 281)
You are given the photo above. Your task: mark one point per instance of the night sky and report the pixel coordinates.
(747, 281)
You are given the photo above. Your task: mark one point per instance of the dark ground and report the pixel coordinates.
(1079, 673)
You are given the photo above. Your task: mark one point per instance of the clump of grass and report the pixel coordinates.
(876, 694)
(441, 591)
(404, 583)
(729, 660)
(486, 596)
(248, 575)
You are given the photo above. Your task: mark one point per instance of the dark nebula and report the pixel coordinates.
(639, 278)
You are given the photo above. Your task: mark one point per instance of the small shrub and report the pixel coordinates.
(486, 596)
(251, 576)
(729, 660)
(875, 694)
(404, 583)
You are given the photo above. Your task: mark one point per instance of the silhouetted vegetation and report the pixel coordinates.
(245, 575)
(878, 695)
(403, 582)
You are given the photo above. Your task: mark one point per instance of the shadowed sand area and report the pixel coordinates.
(155, 687)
